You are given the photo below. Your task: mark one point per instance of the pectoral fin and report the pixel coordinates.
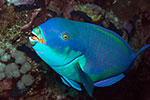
(84, 79)
(70, 83)
(109, 81)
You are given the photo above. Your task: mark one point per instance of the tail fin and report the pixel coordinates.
(141, 50)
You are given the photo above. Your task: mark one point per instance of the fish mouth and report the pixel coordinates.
(34, 38)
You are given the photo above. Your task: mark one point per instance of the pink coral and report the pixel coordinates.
(5, 85)
(128, 26)
(36, 20)
(1, 2)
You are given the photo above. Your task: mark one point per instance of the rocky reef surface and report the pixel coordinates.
(24, 76)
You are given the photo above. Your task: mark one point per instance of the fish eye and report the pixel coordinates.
(65, 36)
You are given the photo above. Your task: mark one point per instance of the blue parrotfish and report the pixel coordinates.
(83, 53)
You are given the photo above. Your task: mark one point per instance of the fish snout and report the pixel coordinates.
(35, 39)
(32, 41)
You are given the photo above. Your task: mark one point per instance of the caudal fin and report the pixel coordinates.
(141, 50)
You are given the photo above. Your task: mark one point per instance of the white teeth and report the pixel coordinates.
(36, 35)
(33, 42)
(30, 38)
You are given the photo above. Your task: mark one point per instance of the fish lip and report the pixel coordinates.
(36, 35)
(69, 61)
(33, 42)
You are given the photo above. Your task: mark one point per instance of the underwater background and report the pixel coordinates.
(24, 76)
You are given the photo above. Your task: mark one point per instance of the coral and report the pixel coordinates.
(25, 68)
(1, 2)
(145, 18)
(20, 85)
(27, 79)
(12, 70)
(5, 57)
(7, 17)
(36, 20)
(113, 19)
(38, 97)
(2, 67)
(19, 57)
(2, 75)
(6, 85)
(21, 2)
(93, 11)
(1, 5)
(8, 45)
(143, 5)
(68, 9)
(128, 9)
(13, 31)
(2, 51)
(104, 3)
(84, 1)
(128, 26)
(59, 97)
(58, 5)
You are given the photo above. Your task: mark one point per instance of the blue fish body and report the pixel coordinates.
(83, 53)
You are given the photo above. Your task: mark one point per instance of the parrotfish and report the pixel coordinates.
(83, 53)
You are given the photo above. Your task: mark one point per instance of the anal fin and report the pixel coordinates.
(109, 81)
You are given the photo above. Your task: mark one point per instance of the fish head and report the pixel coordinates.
(57, 42)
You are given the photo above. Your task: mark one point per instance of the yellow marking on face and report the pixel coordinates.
(39, 40)
(34, 38)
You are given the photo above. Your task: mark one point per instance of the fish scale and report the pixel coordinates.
(90, 55)
(99, 42)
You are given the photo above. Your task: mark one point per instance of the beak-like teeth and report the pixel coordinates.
(36, 35)
(33, 42)
(33, 33)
